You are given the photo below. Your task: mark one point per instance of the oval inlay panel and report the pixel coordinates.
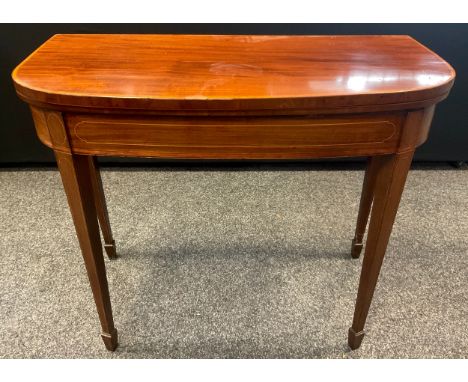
(234, 134)
(234, 137)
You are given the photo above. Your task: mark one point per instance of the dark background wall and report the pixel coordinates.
(448, 140)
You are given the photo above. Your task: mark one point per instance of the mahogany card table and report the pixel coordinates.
(233, 97)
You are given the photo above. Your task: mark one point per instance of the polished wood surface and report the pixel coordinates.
(226, 97)
(76, 178)
(234, 138)
(200, 72)
(392, 173)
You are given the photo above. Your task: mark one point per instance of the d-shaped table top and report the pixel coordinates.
(221, 72)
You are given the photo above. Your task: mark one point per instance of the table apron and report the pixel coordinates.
(223, 137)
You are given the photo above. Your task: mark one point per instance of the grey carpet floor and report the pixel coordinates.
(234, 264)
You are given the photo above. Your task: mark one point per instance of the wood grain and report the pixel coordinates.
(200, 72)
(392, 173)
(225, 138)
(76, 179)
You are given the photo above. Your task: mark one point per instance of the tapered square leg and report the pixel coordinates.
(365, 204)
(76, 178)
(392, 171)
(101, 207)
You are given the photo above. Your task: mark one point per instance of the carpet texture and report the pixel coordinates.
(237, 263)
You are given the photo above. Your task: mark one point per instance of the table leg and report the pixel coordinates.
(76, 178)
(367, 196)
(101, 207)
(389, 184)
